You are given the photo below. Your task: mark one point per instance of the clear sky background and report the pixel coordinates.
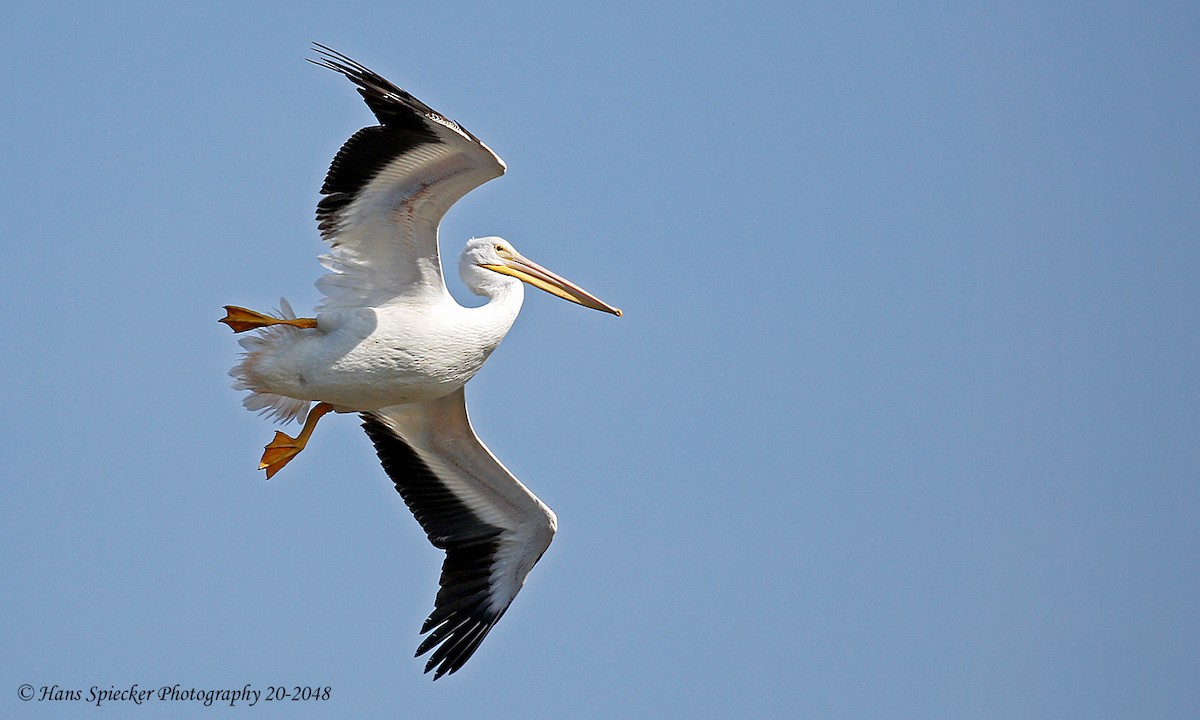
(902, 421)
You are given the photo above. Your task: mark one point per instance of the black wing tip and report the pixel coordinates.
(337, 61)
(369, 82)
(457, 648)
(390, 103)
(385, 98)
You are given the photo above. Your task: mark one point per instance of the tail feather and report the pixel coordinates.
(274, 407)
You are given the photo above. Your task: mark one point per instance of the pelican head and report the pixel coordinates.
(498, 255)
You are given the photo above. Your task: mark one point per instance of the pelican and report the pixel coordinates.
(390, 343)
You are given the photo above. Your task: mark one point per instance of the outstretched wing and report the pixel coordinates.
(492, 528)
(386, 191)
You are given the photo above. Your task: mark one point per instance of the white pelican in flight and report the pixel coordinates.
(389, 342)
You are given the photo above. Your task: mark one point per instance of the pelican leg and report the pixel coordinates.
(239, 319)
(283, 448)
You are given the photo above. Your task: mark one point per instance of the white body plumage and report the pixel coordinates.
(360, 359)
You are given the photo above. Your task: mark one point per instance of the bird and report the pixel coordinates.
(390, 343)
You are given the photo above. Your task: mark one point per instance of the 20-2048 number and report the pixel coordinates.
(296, 693)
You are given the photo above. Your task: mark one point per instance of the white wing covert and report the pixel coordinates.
(386, 191)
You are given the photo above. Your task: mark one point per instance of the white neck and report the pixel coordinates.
(505, 295)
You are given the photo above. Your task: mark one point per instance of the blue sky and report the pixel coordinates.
(902, 420)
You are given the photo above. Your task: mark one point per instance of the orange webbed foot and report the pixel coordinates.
(284, 447)
(239, 319)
